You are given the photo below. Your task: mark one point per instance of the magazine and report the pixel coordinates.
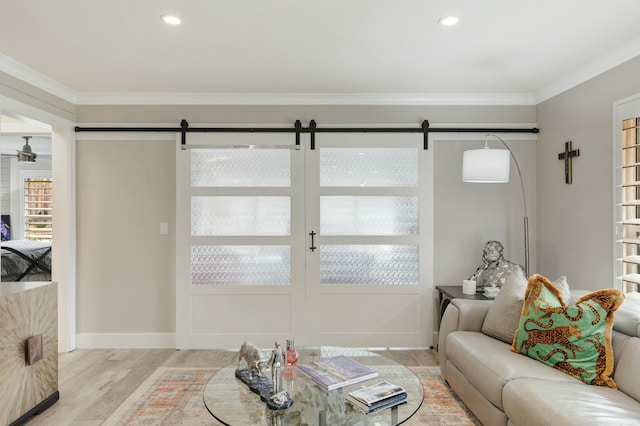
(382, 405)
(338, 371)
(377, 397)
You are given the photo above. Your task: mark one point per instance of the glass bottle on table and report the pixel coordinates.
(291, 352)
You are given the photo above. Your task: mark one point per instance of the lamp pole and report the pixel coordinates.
(524, 202)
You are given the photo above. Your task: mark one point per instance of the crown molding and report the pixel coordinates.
(409, 99)
(34, 78)
(28, 75)
(605, 63)
(591, 70)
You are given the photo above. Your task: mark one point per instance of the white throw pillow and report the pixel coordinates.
(562, 285)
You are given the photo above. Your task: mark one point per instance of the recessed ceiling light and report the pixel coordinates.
(448, 21)
(171, 19)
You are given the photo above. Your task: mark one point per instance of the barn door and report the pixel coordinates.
(330, 245)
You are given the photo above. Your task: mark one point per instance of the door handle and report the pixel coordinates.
(313, 246)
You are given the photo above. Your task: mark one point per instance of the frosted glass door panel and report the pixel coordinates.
(215, 216)
(369, 264)
(240, 167)
(368, 215)
(382, 167)
(240, 265)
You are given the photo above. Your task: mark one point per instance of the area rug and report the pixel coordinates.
(173, 396)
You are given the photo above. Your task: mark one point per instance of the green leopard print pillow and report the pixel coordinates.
(573, 339)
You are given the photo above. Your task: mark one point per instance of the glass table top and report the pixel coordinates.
(232, 402)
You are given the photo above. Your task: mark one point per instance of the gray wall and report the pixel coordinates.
(125, 266)
(575, 222)
(467, 215)
(125, 189)
(571, 225)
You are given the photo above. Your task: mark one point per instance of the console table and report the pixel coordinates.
(232, 402)
(28, 377)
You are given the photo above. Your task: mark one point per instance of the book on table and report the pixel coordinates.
(337, 371)
(377, 397)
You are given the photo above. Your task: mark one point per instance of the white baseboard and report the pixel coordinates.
(126, 340)
(149, 341)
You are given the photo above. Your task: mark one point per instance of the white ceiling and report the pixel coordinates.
(339, 50)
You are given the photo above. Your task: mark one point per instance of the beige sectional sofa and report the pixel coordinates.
(505, 388)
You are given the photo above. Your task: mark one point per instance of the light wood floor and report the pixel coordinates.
(94, 382)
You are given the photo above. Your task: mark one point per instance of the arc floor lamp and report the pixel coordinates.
(487, 165)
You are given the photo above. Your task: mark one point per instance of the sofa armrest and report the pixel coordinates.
(471, 313)
(460, 315)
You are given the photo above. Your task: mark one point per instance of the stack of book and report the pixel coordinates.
(338, 371)
(377, 397)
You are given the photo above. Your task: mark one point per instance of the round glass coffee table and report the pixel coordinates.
(232, 402)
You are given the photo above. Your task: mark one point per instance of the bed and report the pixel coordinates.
(24, 260)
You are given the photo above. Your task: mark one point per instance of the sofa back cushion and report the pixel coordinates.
(627, 373)
(504, 314)
(628, 316)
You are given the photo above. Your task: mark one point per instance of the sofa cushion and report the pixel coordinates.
(485, 411)
(627, 372)
(628, 316)
(533, 402)
(503, 317)
(574, 339)
(618, 341)
(488, 364)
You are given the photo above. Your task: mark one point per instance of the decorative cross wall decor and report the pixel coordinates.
(567, 156)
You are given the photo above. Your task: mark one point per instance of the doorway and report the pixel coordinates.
(26, 199)
(15, 117)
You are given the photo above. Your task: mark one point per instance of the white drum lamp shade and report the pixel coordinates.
(486, 165)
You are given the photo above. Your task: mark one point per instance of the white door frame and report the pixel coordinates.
(63, 263)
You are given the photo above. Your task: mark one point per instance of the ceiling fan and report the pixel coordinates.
(26, 154)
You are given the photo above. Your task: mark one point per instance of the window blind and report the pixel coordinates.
(630, 179)
(38, 208)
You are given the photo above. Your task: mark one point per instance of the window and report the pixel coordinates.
(38, 207)
(630, 205)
